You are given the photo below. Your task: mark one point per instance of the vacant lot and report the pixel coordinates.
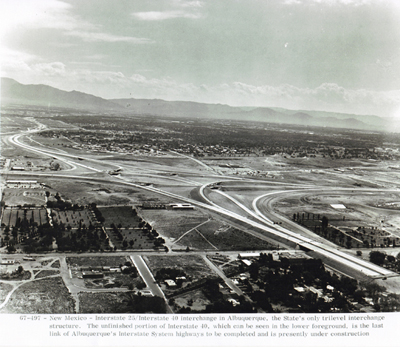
(46, 273)
(4, 290)
(119, 303)
(24, 196)
(195, 229)
(361, 220)
(45, 296)
(16, 276)
(99, 302)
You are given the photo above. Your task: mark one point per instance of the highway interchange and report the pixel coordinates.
(258, 218)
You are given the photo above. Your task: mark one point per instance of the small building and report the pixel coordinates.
(92, 274)
(242, 277)
(17, 168)
(299, 289)
(7, 262)
(28, 258)
(314, 290)
(181, 206)
(327, 298)
(249, 255)
(275, 256)
(294, 258)
(234, 302)
(246, 262)
(170, 283)
(338, 206)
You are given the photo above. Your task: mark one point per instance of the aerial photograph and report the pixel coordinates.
(200, 157)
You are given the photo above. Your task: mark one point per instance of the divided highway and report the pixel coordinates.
(258, 224)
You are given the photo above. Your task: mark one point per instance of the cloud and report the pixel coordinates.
(15, 61)
(340, 2)
(179, 9)
(53, 14)
(190, 4)
(327, 96)
(163, 15)
(104, 37)
(50, 69)
(162, 88)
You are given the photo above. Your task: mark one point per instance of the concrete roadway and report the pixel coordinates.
(323, 250)
(221, 274)
(327, 251)
(147, 276)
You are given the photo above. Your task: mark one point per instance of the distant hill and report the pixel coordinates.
(13, 92)
(43, 95)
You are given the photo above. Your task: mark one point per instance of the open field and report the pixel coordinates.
(46, 273)
(354, 220)
(4, 290)
(196, 229)
(44, 296)
(16, 276)
(119, 303)
(99, 302)
(24, 196)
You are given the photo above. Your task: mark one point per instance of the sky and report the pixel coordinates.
(332, 55)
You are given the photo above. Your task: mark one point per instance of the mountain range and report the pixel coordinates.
(13, 92)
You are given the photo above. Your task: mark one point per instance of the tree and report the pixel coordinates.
(324, 224)
(141, 285)
(377, 257)
(11, 248)
(391, 258)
